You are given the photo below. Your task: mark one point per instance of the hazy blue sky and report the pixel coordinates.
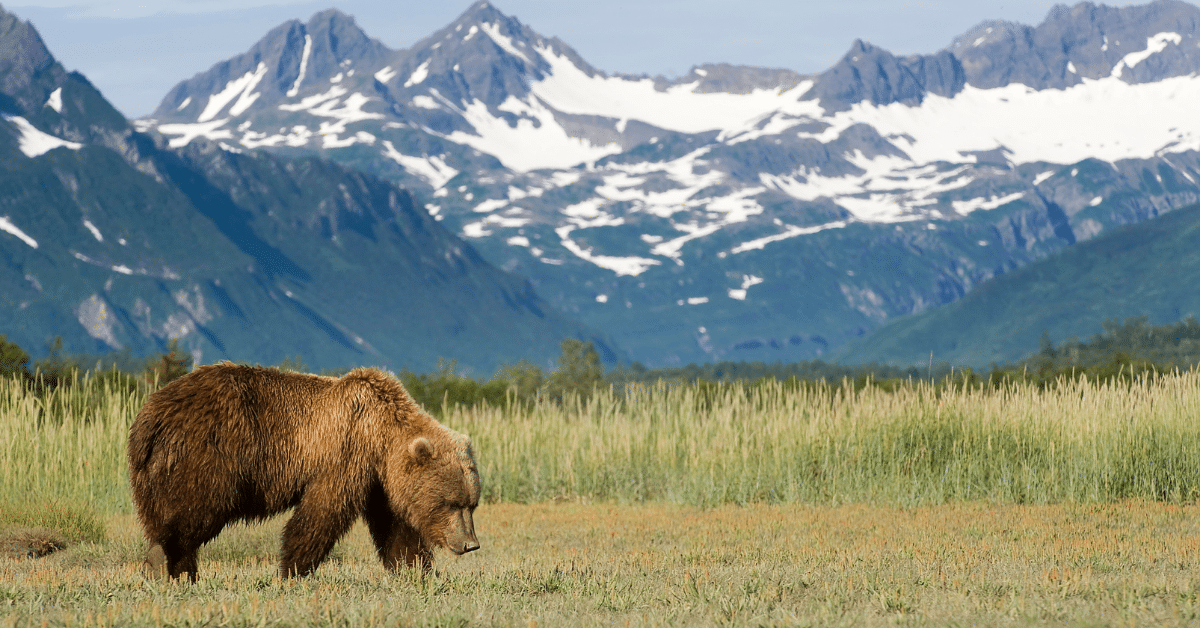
(136, 50)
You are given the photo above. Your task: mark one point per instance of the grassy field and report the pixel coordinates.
(688, 505)
(1127, 563)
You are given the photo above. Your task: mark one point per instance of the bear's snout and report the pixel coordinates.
(460, 536)
(463, 546)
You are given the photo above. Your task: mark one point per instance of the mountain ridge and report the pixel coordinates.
(112, 239)
(668, 212)
(1115, 276)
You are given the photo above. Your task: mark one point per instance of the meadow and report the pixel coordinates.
(768, 504)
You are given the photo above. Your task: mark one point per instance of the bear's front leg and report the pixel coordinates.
(399, 544)
(405, 547)
(320, 520)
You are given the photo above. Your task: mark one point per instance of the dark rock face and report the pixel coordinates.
(871, 74)
(22, 54)
(1083, 41)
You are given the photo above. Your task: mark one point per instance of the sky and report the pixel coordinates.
(134, 51)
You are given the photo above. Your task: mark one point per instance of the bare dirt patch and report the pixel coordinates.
(16, 543)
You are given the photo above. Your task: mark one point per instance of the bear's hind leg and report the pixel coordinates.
(155, 565)
(171, 558)
(174, 546)
(312, 532)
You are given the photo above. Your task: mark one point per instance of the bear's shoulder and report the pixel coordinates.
(375, 386)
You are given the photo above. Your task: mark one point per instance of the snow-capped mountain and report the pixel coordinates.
(740, 213)
(112, 240)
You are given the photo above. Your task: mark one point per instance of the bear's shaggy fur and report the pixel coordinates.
(228, 443)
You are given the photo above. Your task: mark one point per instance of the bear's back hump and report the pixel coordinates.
(230, 396)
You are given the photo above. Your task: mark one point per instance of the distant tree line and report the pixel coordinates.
(120, 368)
(1124, 350)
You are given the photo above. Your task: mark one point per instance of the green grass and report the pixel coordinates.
(779, 443)
(67, 445)
(705, 445)
(76, 522)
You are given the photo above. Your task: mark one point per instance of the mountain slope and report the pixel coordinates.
(1148, 269)
(746, 213)
(112, 240)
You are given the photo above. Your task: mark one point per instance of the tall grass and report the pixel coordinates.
(66, 444)
(918, 444)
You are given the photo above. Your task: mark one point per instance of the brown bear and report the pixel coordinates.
(232, 443)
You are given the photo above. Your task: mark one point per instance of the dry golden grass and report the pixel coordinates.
(578, 564)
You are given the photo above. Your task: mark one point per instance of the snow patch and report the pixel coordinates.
(34, 142)
(385, 75)
(183, 105)
(966, 207)
(490, 205)
(95, 232)
(7, 226)
(493, 31)
(98, 320)
(433, 169)
(291, 93)
(747, 281)
(188, 131)
(1154, 45)
(55, 100)
(241, 88)
(569, 89)
(528, 145)
(631, 266)
(891, 189)
(342, 112)
(425, 102)
(1052, 125)
(790, 231)
(418, 75)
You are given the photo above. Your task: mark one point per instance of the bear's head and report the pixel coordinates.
(437, 490)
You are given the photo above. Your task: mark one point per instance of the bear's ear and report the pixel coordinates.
(421, 449)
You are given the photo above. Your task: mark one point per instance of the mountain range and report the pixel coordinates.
(738, 213)
(114, 240)
(487, 192)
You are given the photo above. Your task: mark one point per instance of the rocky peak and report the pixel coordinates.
(291, 58)
(484, 55)
(869, 73)
(338, 45)
(23, 55)
(1137, 44)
